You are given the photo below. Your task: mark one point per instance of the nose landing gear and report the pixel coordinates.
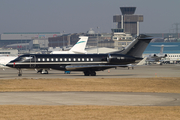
(20, 72)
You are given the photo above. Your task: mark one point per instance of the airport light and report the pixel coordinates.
(63, 39)
(97, 40)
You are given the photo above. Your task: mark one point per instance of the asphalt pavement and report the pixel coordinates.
(94, 98)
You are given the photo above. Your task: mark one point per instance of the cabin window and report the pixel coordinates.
(122, 57)
(39, 59)
(74, 59)
(47, 59)
(65, 59)
(52, 59)
(43, 59)
(56, 59)
(87, 59)
(60, 59)
(82, 59)
(91, 59)
(79, 59)
(69, 59)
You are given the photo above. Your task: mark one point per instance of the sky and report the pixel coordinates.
(76, 16)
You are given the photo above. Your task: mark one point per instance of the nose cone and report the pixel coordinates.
(9, 64)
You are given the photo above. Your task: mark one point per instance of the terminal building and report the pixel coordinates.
(26, 40)
(94, 39)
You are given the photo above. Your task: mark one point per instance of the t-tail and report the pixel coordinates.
(137, 46)
(161, 51)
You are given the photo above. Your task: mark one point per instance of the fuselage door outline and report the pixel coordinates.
(32, 61)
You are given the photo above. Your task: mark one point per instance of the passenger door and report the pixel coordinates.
(32, 61)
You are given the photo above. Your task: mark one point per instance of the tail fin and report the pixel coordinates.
(162, 47)
(79, 47)
(161, 51)
(137, 46)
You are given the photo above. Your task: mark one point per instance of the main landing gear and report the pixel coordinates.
(20, 72)
(42, 71)
(89, 73)
(130, 67)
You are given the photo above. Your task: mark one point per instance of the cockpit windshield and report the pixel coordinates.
(23, 58)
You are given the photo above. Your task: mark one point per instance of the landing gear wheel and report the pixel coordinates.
(20, 72)
(88, 73)
(44, 71)
(39, 71)
(93, 73)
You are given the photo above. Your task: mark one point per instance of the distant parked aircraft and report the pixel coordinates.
(171, 59)
(78, 48)
(156, 58)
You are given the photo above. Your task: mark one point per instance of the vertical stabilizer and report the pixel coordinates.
(137, 46)
(161, 51)
(79, 47)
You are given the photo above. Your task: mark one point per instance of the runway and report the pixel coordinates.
(90, 98)
(169, 70)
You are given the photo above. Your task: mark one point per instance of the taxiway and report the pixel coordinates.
(94, 98)
(169, 70)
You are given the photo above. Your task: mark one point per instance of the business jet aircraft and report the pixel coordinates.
(156, 58)
(78, 48)
(87, 63)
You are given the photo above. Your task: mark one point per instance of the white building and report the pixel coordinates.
(120, 38)
(8, 52)
(25, 37)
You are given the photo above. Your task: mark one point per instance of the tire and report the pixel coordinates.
(86, 73)
(93, 73)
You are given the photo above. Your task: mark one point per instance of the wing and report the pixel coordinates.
(93, 67)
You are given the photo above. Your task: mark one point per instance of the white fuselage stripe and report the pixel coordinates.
(90, 62)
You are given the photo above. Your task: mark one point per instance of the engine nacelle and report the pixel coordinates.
(117, 59)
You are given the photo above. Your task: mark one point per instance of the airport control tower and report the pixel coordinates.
(128, 22)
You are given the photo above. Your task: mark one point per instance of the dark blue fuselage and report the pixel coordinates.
(61, 61)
